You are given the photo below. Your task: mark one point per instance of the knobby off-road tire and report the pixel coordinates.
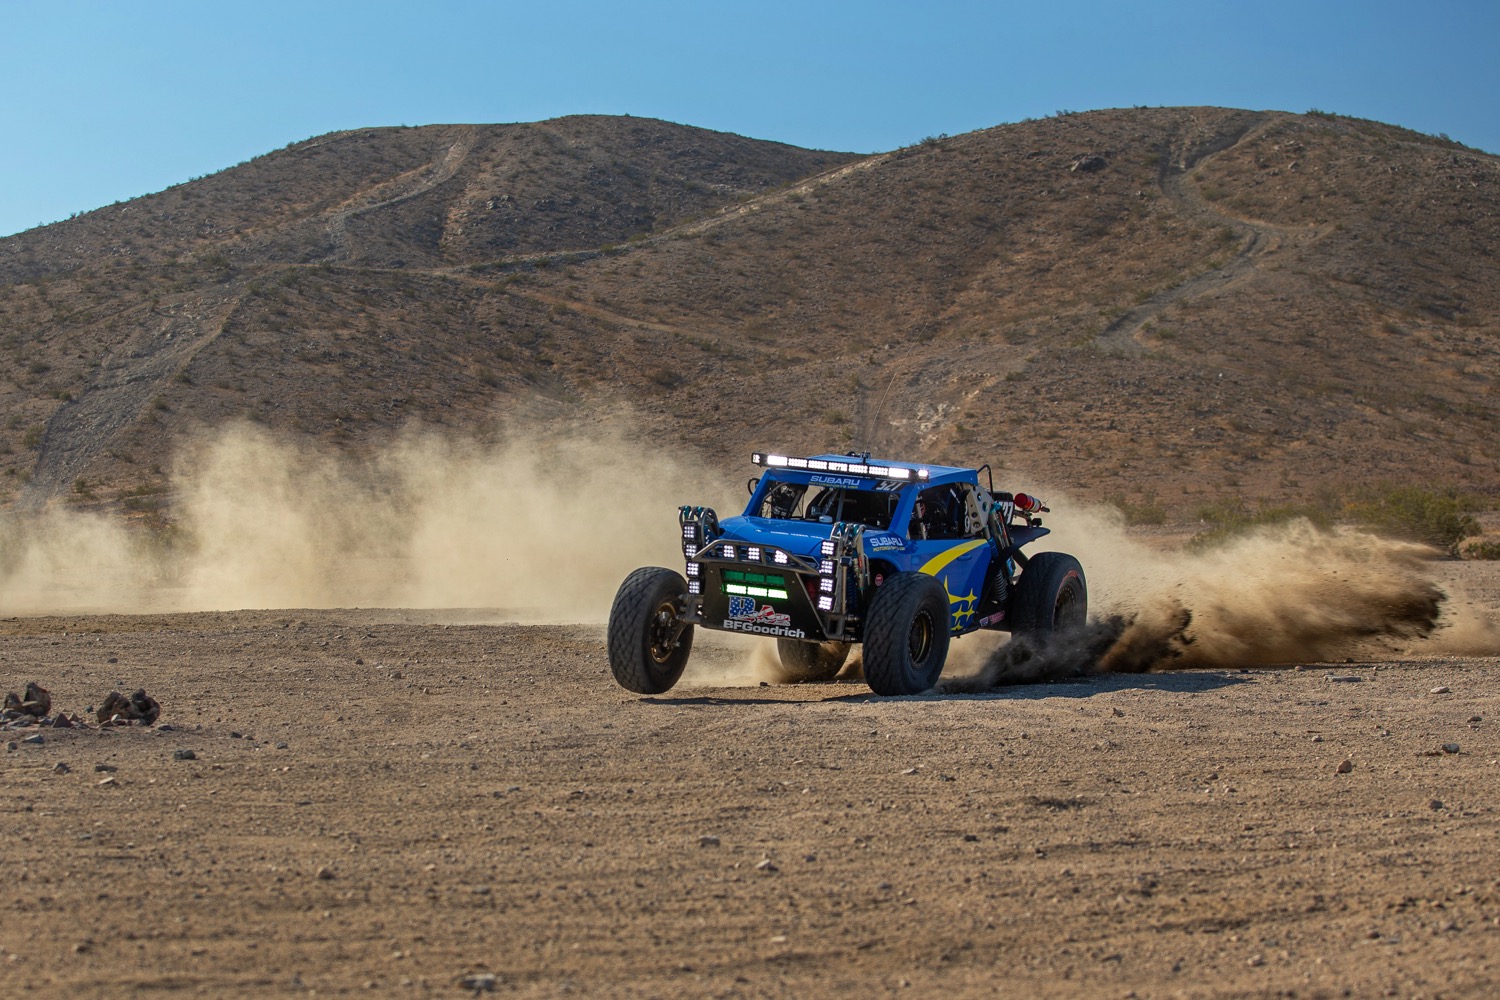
(648, 645)
(1051, 596)
(906, 635)
(810, 662)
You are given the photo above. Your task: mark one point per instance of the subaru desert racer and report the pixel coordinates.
(838, 549)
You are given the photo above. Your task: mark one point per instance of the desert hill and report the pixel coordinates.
(1182, 302)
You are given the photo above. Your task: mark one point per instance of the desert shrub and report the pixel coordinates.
(1145, 510)
(667, 378)
(1232, 517)
(1438, 517)
(1485, 548)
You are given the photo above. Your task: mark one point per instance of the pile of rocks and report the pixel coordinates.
(33, 707)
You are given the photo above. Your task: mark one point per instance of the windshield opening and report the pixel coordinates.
(826, 504)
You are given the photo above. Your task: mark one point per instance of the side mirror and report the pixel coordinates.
(750, 486)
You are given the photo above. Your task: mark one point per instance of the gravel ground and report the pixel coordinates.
(417, 802)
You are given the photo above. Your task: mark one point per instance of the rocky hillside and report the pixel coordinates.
(1182, 303)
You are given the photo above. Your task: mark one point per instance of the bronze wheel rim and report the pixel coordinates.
(661, 638)
(919, 639)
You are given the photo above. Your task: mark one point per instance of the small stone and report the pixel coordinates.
(1317, 739)
(1345, 766)
(1450, 748)
(479, 982)
(105, 769)
(1441, 689)
(108, 782)
(1476, 718)
(60, 768)
(766, 865)
(1256, 961)
(281, 746)
(325, 873)
(35, 740)
(1434, 803)
(970, 838)
(184, 755)
(708, 840)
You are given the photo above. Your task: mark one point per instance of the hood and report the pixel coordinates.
(797, 537)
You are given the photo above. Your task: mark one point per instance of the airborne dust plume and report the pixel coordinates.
(1284, 594)
(544, 525)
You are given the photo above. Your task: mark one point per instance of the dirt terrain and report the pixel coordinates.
(434, 802)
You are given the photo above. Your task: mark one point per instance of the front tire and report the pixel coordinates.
(906, 635)
(810, 662)
(1051, 596)
(648, 642)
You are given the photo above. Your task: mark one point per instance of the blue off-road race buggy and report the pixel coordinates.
(839, 549)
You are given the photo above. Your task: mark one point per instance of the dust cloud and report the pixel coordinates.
(543, 525)
(1285, 594)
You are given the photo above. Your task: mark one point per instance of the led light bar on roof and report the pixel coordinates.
(828, 465)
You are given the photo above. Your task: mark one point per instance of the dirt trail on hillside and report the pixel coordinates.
(397, 190)
(122, 387)
(1254, 241)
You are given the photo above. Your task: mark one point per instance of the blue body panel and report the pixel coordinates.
(892, 539)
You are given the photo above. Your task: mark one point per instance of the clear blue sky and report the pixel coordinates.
(105, 101)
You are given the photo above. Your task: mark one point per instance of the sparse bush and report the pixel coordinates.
(1485, 548)
(1146, 510)
(1440, 518)
(1227, 519)
(664, 377)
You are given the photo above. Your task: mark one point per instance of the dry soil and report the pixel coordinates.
(417, 803)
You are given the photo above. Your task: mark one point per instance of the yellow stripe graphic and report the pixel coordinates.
(935, 565)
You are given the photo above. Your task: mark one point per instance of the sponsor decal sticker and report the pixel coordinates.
(757, 629)
(848, 481)
(747, 615)
(746, 609)
(881, 543)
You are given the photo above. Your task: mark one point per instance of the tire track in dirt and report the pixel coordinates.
(1255, 240)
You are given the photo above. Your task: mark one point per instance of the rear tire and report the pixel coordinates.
(810, 662)
(1051, 596)
(906, 635)
(648, 642)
